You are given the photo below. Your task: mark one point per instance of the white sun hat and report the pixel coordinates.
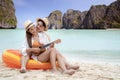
(28, 24)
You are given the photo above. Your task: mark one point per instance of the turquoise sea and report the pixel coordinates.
(77, 45)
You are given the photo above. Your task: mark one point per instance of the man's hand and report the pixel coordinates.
(52, 45)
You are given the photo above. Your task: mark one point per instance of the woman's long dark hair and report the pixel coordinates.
(29, 39)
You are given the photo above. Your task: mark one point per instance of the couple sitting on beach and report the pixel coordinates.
(35, 37)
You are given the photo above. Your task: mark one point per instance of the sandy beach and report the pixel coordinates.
(87, 71)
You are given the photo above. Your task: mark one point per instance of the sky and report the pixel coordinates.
(32, 9)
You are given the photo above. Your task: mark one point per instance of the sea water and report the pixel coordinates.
(76, 45)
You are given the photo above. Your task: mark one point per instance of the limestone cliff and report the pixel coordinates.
(112, 16)
(7, 14)
(98, 17)
(72, 19)
(94, 18)
(55, 19)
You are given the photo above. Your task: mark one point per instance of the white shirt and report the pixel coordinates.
(43, 38)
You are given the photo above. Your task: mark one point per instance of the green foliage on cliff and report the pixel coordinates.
(116, 24)
(11, 21)
(1, 13)
(75, 22)
(7, 14)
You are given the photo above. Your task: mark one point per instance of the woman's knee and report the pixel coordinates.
(58, 53)
(52, 50)
(25, 57)
(29, 53)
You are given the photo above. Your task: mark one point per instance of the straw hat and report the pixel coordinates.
(28, 24)
(44, 20)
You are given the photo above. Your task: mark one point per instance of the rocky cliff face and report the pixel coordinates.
(94, 17)
(112, 16)
(7, 14)
(55, 19)
(72, 19)
(83, 14)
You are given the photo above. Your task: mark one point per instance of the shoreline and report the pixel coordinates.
(113, 29)
(67, 29)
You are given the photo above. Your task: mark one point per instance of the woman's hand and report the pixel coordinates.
(35, 50)
(31, 51)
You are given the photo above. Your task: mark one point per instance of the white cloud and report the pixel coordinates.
(19, 2)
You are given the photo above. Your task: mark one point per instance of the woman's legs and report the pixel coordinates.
(49, 54)
(63, 65)
(53, 59)
(61, 62)
(24, 60)
(69, 66)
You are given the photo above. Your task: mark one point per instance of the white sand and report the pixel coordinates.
(87, 71)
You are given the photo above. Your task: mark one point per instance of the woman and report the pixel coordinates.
(27, 49)
(31, 45)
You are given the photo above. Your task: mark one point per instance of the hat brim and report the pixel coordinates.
(29, 26)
